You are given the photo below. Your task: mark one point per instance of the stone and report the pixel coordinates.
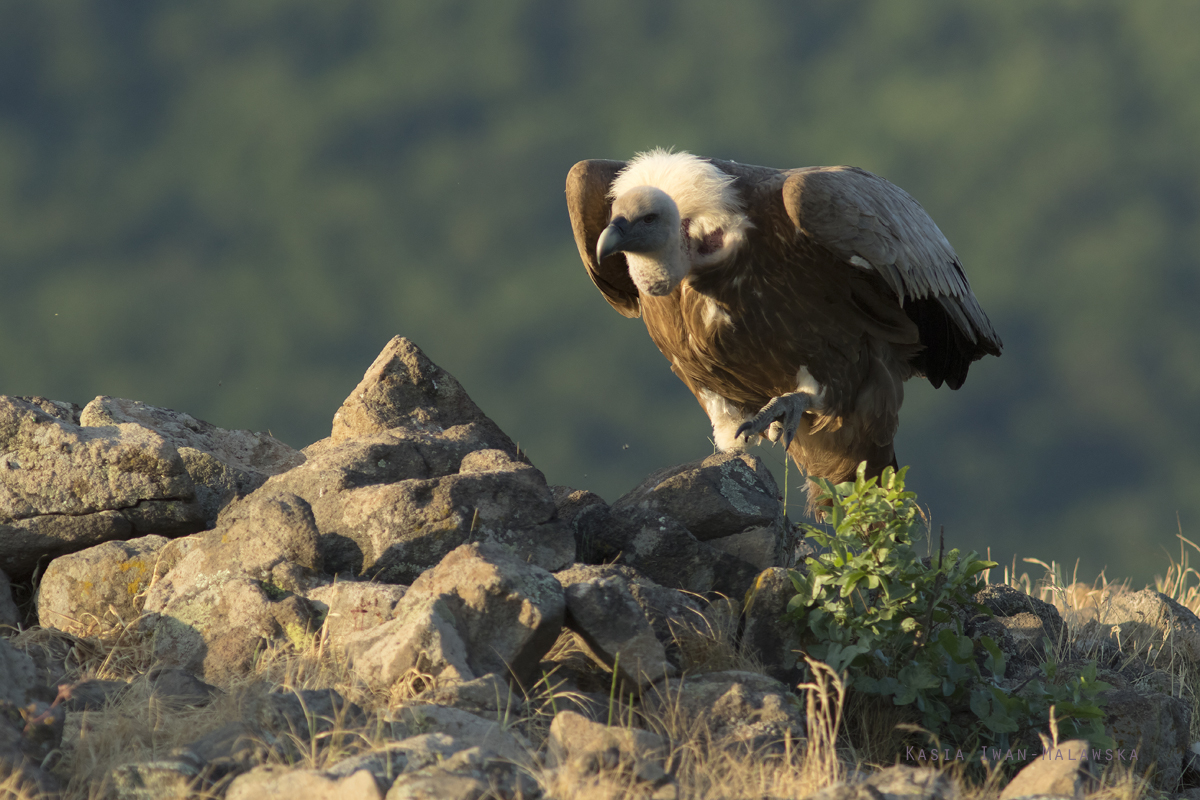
(224, 465)
(767, 637)
(237, 586)
(398, 757)
(1051, 776)
(10, 615)
(1157, 726)
(489, 696)
(588, 518)
(18, 675)
(589, 748)
(717, 497)
(480, 610)
(743, 709)
(394, 504)
(1005, 601)
(403, 388)
(664, 550)
(1154, 625)
(100, 586)
(350, 607)
(64, 487)
(469, 729)
(902, 782)
(276, 782)
(605, 614)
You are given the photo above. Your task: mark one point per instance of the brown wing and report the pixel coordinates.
(589, 207)
(878, 227)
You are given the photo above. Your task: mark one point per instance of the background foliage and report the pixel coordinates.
(229, 207)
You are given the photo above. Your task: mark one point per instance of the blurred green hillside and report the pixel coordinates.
(229, 207)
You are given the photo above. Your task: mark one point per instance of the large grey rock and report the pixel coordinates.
(277, 782)
(413, 470)
(101, 585)
(18, 675)
(398, 757)
(580, 747)
(465, 727)
(678, 620)
(237, 586)
(662, 548)
(766, 636)
(482, 609)
(1154, 625)
(1057, 777)
(1157, 726)
(10, 615)
(350, 607)
(720, 496)
(64, 487)
(738, 708)
(224, 464)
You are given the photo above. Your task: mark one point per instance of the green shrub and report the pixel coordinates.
(892, 625)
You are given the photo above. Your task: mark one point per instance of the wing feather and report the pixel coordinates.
(855, 213)
(589, 207)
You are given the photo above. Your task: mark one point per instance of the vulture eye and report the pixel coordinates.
(649, 218)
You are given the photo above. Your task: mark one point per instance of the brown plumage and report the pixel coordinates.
(793, 303)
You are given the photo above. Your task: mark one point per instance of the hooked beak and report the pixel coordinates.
(612, 238)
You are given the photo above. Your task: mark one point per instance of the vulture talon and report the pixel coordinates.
(786, 409)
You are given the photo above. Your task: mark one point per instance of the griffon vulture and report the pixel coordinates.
(794, 304)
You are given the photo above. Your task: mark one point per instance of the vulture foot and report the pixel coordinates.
(778, 419)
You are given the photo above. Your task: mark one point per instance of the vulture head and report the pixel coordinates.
(645, 227)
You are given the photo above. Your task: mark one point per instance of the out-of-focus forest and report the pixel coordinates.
(229, 207)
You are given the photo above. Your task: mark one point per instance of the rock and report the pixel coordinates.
(489, 696)
(744, 709)
(1050, 775)
(766, 636)
(18, 675)
(1020, 626)
(664, 550)
(480, 610)
(350, 607)
(236, 586)
(1156, 726)
(715, 498)
(102, 584)
(90, 694)
(392, 505)
(404, 389)
(1154, 625)
(907, 783)
(605, 614)
(399, 757)
(1005, 601)
(582, 747)
(588, 518)
(224, 465)
(276, 782)
(64, 487)
(464, 727)
(10, 615)
(179, 688)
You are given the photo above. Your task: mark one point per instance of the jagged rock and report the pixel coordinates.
(64, 487)
(1051, 776)
(603, 611)
(1020, 627)
(675, 617)
(276, 782)
(224, 465)
(588, 518)
(390, 503)
(729, 500)
(481, 610)
(1005, 601)
(489, 696)
(588, 748)
(404, 389)
(905, 783)
(236, 586)
(463, 726)
(103, 583)
(399, 757)
(1153, 625)
(18, 675)
(738, 708)
(769, 638)
(10, 615)
(1157, 726)
(663, 549)
(350, 607)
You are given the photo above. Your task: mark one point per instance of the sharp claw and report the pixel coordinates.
(787, 408)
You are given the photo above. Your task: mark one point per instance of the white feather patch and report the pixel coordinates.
(715, 315)
(860, 262)
(806, 383)
(726, 419)
(703, 193)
